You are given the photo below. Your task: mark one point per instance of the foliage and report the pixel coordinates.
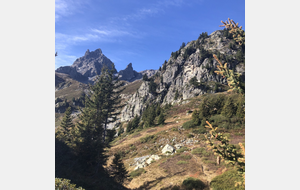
(193, 183)
(203, 35)
(181, 162)
(189, 124)
(182, 149)
(134, 124)
(148, 138)
(119, 171)
(226, 151)
(161, 118)
(64, 184)
(145, 77)
(175, 54)
(189, 51)
(234, 79)
(67, 132)
(136, 173)
(152, 86)
(176, 95)
(229, 108)
(226, 181)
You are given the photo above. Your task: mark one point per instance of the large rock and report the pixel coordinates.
(152, 158)
(168, 149)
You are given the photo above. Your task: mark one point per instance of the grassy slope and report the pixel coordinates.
(166, 172)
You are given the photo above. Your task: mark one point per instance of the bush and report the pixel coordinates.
(186, 156)
(226, 180)
(201, 130)
(148, 138)
(198, 150)
(189, 124)
(190, 135)
(137, 172)
(193, 183)
(64, 184)
(182, 162)
(182, 149)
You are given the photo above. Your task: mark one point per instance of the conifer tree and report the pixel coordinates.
(229, 108)
(119, 171)
(161, 118)
(67, 130)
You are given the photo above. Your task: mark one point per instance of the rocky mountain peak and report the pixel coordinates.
(129, 67)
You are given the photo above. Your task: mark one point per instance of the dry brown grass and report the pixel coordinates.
(132, 87)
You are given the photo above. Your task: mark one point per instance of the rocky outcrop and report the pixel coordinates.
(168, 149)
(149, 72)
(144, 161)
(72, 73)
(173, 80)
(128, 74)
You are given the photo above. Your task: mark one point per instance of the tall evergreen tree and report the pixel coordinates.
(119, 171)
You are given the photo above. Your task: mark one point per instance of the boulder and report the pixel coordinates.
(168, 149)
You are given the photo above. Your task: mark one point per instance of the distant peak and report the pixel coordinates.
(87, 52)
(129, 66)
(98, 50)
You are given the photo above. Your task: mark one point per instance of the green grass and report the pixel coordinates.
(137, 172)
(182, 162)
(226, 180)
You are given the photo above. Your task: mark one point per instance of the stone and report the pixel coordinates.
(168, 149)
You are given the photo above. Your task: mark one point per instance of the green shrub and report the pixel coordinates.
(182, 162)
(190, 136)
(200, 130)
(182, 149)
(200, 151)
(64, 184)
(148, 138)
(193, 183)
(186, 156)
(137, 172)
(189, 124)
(226, 180)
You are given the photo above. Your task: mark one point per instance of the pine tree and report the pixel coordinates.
(67, 130)
(112, 96)
(119, 171)
(229, 108)
(161, 118)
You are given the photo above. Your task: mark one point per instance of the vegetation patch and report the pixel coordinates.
(193, 183)
(227, 180)
(137, 172)
(181, 162)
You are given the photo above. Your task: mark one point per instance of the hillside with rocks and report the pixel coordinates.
(165, 135)
(188, 73)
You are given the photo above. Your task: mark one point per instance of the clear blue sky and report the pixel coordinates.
(143, 33)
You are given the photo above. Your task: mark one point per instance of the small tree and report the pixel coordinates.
(67, 130)
(145, 77)
(119, 172)
(161, 118)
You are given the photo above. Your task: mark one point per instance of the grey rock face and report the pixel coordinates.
(91, 63)
(149, 72)
(179, 71)
(72, 72)
(129, 74)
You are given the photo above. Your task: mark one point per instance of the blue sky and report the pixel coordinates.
(143, 33)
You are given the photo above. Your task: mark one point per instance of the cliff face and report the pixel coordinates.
(174, 79)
